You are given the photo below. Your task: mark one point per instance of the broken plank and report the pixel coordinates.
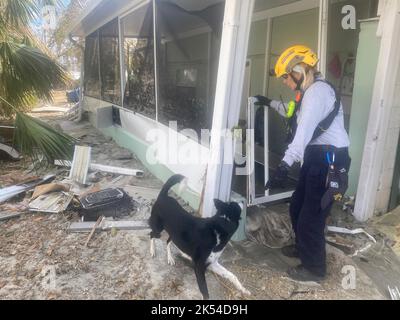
(344, 248)
(49, 187)
(105, 168)
(55, 202)
(108, 225)
(98, 223)
(127, 225)
(9, 216)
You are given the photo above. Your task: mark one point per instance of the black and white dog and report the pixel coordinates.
(201, 240)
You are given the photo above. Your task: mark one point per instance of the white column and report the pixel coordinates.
(323, 34)
(232, 63)
(155, 24)
(382, 102)
(122, 66)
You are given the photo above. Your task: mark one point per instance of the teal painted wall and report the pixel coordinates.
(367, 59)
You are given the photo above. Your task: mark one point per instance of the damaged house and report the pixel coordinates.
(157, 73)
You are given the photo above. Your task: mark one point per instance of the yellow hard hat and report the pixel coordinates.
(293, 56)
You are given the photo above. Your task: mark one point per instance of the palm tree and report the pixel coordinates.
(28, 72)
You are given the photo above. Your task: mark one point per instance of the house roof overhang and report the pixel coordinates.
(97, 13)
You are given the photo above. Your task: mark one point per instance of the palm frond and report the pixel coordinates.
(35, 138)
(25, 73)
(20, 12)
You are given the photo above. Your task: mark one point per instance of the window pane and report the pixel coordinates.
(109, 63)
(188, 43)
(91, 72)
(139, 92)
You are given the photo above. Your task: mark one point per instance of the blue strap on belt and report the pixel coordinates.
(330, 158)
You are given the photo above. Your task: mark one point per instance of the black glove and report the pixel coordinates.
(262, 101)
(279, 177)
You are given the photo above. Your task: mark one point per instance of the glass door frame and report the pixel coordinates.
(295, 7)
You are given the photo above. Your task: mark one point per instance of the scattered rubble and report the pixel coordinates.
(110, 202)
(7, 216)
(109, 169)
(80, 164)
(55, 202)
(108, 258)
(7, 152)
(12, 191)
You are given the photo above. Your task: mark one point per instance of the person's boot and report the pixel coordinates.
(290, 251)
(301, 274)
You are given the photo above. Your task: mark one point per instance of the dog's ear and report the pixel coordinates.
(219, 204)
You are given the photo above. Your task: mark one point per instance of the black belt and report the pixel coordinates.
(327, 148)
(317, 154)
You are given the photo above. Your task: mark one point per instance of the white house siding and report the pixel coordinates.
(391, 145)
(139, 126)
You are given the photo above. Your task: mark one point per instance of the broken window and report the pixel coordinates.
(188, 44)
(109, 63)
(91, 72)
(139, 82)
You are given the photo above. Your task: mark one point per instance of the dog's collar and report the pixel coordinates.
(225, 217)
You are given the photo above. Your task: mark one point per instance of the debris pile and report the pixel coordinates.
(88, 187)
(67, 219)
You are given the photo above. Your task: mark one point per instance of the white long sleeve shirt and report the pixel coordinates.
(318, 102)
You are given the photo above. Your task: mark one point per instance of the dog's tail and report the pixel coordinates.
(170, 183)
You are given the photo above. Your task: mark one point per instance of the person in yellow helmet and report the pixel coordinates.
(319, 140)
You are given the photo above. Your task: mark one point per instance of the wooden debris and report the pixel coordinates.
(108, 225)
(341, 243)
(54, 202)
(98, 222)
(9, 216)
(49, 187)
